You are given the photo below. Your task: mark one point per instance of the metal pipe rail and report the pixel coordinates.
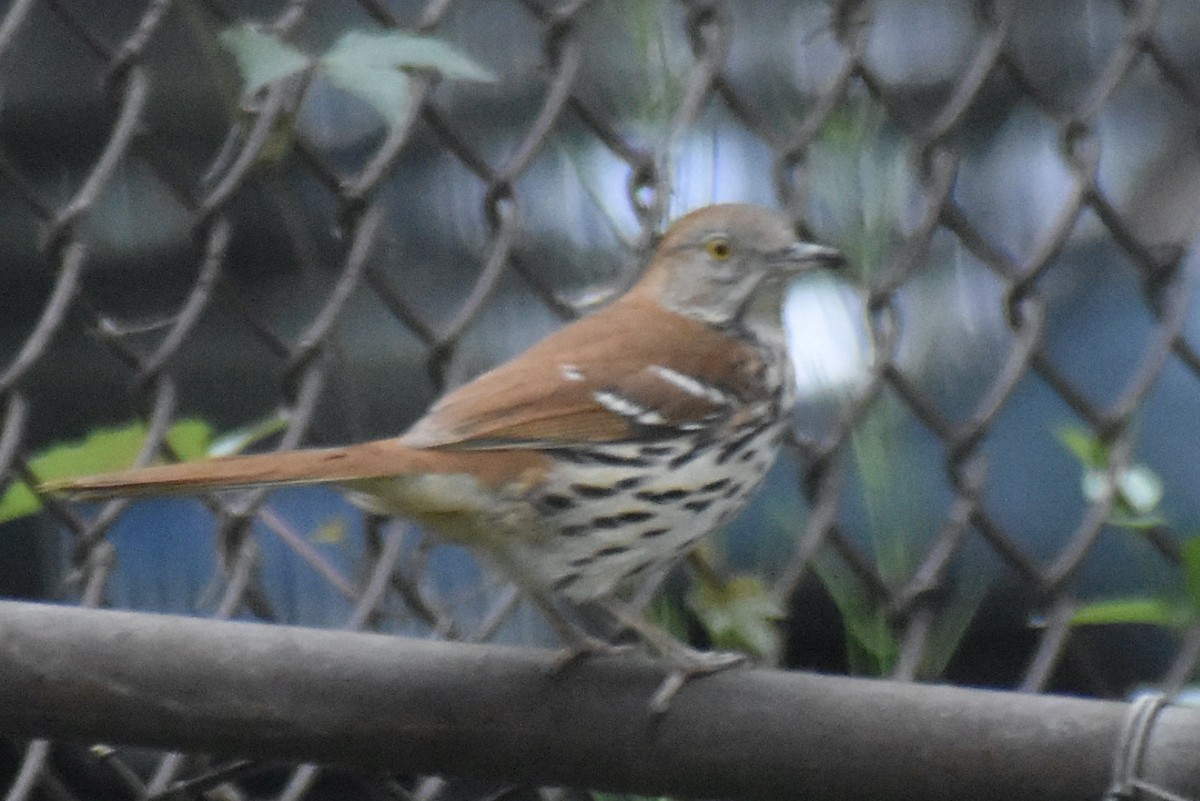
(490, 712)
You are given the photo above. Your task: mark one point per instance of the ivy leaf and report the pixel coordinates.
(261, 57)
(371, 66)
(386, 91)
(100, 451)
(395, 50)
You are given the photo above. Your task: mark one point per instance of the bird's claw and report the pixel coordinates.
(583, 647)
(688, 664)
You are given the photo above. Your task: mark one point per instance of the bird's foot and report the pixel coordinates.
(684, 661)
(582, 646)
(688, 663)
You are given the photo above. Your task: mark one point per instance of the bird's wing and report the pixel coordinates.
(630, 370)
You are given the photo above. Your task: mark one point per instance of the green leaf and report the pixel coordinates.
(190, 439)
(331, 532)
(1150, 611)
(871, 644)
(396, 50)
(240, 439)
(261, 57)
(669, 615)
(1087, 449)
(18, 501)
(966, 594)
(101, 451)
(370, 66)
(739, 615)
(1136, 521)
(385, 90)
(1189, 554)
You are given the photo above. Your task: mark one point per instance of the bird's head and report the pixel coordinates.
(712, 263)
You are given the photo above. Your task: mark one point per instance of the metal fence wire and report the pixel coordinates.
(992, 478)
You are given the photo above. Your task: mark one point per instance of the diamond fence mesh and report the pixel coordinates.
(992, 478)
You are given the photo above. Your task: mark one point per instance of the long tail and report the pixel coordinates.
(316, 466)
(370, 460)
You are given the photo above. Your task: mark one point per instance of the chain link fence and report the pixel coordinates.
(992, 478)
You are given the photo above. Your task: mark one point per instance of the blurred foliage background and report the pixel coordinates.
(221, 236)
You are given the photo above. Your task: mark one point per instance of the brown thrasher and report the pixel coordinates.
(600, 455)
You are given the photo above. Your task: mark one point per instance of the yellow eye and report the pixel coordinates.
(718, 248)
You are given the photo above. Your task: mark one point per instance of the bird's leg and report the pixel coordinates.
(577, 643)
(684, 661)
